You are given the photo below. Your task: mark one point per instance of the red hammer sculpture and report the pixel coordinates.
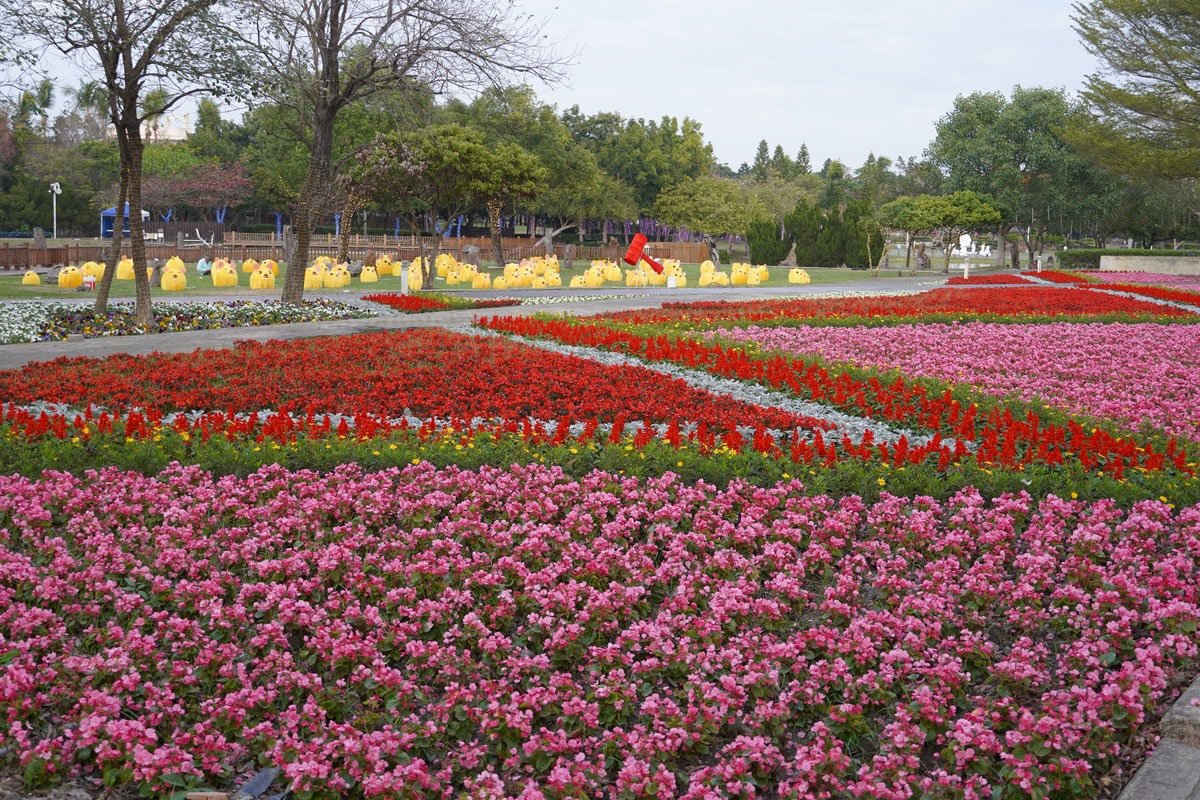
(634, 254)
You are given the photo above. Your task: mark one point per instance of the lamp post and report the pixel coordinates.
(55, 191)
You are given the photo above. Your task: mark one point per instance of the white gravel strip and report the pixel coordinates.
(848, 426)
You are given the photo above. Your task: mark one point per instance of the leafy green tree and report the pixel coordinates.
(1148, 96)
(214, 138)
(321, 57)
(647, 156)
(965, 212)
(835, 188)
(1014, 151)
(513, 175)
(915, 217)
(710, 205)
(443, 170)
(875, 181)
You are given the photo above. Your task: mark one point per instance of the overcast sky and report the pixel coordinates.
(847, 77)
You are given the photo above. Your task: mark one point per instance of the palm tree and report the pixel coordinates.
(154, 106)
(91, 100)
(37, 103)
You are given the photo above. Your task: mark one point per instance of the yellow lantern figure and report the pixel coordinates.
(797, 275)
(368, 275)
(383, 265)
(720, 278)
(578, 282)
(262, 278)
(249, 265)
(175, 262)
(31, 278)
(314, 278)
(500, 283)
(707, 268)
(451, 277)
(97, 270)
(612, 272)
(481, 281)
(538, 283)
(173, 280)
(764, 274)
(272, 265)
(224, 276)
(70, 278)
(415, 281)
(553, 280)
(511, 270)
(125, 269)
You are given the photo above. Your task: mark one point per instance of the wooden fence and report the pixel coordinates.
(239, 248)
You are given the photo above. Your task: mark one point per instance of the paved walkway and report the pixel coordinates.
(13, 356)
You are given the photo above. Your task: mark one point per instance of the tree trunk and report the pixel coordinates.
(908, 255)
(343, 253)
(1001, 244)
(494, 209)
(946, 254)
(309, 204)
(143, 313)
(114, 252)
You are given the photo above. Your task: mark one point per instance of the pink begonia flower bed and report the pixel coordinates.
(1153, 278)
(447, 633)
(1132, 373)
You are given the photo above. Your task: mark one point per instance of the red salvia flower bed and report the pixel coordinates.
(428, 372)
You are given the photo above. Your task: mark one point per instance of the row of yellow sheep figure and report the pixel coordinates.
(530, 273)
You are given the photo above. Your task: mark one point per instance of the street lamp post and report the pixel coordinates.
(55, 191)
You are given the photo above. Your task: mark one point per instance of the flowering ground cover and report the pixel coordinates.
(1072, 365)
(420, 303)
(1155, 278)
(445, 633)
(40, 322)
(425, 372)
(1015, 302)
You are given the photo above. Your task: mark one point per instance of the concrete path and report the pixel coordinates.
(13, 356)
(1172, 772)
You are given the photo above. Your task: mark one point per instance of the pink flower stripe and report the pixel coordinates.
(429, 633)
(1155, 278)
(1132, 373)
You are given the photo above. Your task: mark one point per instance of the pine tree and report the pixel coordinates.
(762, 162)
(803, 162)
(767, 245)
(781, 165)
(803, 226)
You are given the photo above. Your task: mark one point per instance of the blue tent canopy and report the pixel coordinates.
(108, 220)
